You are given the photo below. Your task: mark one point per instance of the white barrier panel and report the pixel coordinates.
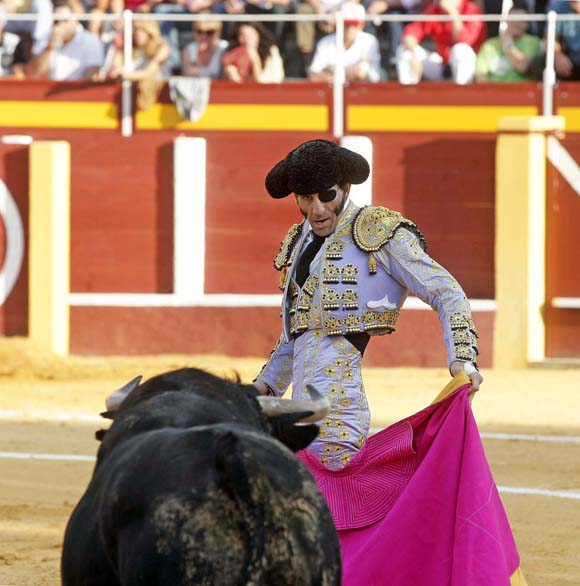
(189, 179)
(361, 195)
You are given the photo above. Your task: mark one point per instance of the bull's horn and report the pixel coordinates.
(113, 401)
(319, 406)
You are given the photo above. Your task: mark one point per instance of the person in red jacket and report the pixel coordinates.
(456, 43)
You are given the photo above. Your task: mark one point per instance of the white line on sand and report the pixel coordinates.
(563, 494)
(50, 417)
(521, 437)
(8, 414)
(53, 457)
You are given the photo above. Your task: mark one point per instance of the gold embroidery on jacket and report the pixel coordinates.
(349, 273)
(464, 335)
(331, 274)
(334, 250)
(374, 226)
(287, 247)
(350, 299)
(330, 300)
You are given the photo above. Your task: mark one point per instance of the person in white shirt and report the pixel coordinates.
(71, 53)
(362, 58)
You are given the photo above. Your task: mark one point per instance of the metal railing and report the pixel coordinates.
(339, 80)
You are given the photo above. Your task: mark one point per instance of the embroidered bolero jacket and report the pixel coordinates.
(359, 281)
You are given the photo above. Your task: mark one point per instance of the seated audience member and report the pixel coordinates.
(362, 58)
(456, 42)
(22, 55)
(567, 55)
(307, 32)
(71, 53)
(172, 30)
(8, 44)
(203, 57)
(253, 56)
(496, 7)
(507, 58)
(100, 7)
(394, 29)
(270, 7)
(150, 53)
(40, 28)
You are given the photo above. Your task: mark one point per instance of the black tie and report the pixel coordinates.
(303, 266)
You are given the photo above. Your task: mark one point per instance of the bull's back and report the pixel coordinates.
(216, 505)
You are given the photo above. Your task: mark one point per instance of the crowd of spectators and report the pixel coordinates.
(59, 45)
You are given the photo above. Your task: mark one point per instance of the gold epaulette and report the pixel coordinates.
(286, 247)
(374, 226)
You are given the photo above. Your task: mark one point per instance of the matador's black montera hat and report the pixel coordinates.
(314, 166)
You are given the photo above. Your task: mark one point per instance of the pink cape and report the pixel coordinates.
(418, 505)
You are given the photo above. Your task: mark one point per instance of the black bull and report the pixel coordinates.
(191, 487)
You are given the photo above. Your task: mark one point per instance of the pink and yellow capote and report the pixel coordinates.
(418, 504)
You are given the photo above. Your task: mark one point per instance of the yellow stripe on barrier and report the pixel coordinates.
(32, 114)
(572, 116)
(304, 117)
(431, 118)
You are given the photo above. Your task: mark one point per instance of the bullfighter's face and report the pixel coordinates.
(323, 209)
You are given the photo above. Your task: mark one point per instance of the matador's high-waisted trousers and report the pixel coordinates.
(333, 366)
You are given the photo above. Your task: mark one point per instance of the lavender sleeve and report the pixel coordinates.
(406, 261)
(277, 372)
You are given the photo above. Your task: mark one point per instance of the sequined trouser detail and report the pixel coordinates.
(333, 366)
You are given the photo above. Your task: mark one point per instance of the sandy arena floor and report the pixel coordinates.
(48, 405)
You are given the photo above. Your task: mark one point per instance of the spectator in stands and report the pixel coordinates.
(507, 58)
(270, 7)
(150, 54)
(394, 29)
(496, 7)
(22, 55)
(362, 58)
(203, 57)
(71, 53)
(456, 43)
(38, 29)
(172, 31)
(567, 55)
(253, 56)
(8, 44)
(307, 32)
(100, 7)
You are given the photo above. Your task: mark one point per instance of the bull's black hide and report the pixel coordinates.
(191, 487)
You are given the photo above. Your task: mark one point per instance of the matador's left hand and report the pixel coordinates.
(473, 374)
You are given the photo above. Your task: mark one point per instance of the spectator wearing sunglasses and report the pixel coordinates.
(71, 52)
(203, 56)
(346, 272)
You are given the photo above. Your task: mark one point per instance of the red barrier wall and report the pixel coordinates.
(438, 170)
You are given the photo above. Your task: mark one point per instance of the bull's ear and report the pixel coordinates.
(107, 414)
